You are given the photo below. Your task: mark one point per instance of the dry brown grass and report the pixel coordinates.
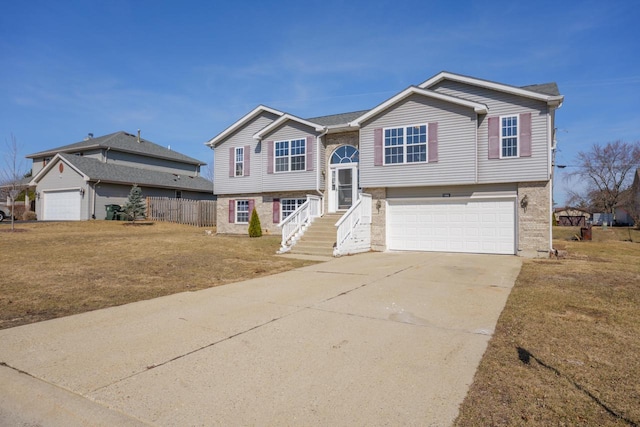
(51, 270)
(566, 350)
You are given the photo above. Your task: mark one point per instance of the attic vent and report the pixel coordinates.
(88, 137)
(139, 136)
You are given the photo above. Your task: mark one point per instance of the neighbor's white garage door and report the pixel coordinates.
(474, 226)
(61, 205)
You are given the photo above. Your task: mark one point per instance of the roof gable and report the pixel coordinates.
(476, 106)
(282, 120)
(238, 124)
(539, 92)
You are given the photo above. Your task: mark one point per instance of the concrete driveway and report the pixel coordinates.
(372, 339)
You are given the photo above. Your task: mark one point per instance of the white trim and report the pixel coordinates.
(517, 136)
(550, 99)
(259, 109)
(284, 118)
(289, 156)
(477, 107)
(404, 144)
(50, 164)
(235, 162)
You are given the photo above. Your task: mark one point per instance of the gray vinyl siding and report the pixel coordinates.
(151, 163)
(223, 183)
(487, 190)
(456, 145)
(295, 180)
(523, 169)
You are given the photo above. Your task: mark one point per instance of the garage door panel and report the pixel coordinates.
(62, 205)
(486, 226)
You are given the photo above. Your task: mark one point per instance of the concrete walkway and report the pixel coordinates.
(372, 339)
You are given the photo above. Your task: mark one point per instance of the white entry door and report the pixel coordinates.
(467, 225)
(343, 187)
(61, 205)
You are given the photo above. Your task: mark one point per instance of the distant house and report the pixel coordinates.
(571, 217)
(78, 181)
(455, 164)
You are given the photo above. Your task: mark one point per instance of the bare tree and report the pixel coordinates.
(606, 172)
(12, 174)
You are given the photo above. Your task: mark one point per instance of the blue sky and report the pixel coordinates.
(184, 71)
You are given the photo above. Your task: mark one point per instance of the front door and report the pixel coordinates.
(343, 178)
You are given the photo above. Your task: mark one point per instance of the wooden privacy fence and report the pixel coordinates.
(201, 213)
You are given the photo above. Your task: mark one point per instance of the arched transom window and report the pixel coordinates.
(345, 154)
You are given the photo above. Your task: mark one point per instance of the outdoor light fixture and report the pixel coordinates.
(38, 195)
(378, 205)
(446, 194)
(82, 192)
(524, 202)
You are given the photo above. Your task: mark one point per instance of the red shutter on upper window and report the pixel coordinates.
(433, 142)
(525, 135)
(276, 211)
(494, 137)
(377, 147)
(232, 162)
(252, 204)
(309, 149)
(247, 160)
(232, 211)
(269, 156)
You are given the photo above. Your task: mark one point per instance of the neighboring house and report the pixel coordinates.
(571, 217)
(77, 181)
(456, 164)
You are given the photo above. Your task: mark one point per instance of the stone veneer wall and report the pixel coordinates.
(534, 222)
(378, 218)
(264, 206)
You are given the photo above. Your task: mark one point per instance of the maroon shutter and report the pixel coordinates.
(252, 204)
(309, 149)
(247, 159)
(494, 137)
(232, 162)
(232, 211)
(269, 156)
(525, 134)
(377, 147)
(433, 142)
(276, 211)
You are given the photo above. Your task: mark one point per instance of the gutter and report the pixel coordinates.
(93, 214)
(318, 142)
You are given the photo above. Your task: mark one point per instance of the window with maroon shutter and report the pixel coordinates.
(247, 153)
(525, 135)
(232, 162)
(232, 211)
(433, 142)
(276, 211)
(309, 153)
(494, 137)
(377, 147)
(269, 156)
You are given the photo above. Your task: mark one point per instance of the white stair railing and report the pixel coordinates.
(359, 213)
(294, 226)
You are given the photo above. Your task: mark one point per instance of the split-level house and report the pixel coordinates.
(78, 181)
(454, 164)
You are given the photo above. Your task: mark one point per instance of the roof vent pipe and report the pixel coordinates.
(138, 135)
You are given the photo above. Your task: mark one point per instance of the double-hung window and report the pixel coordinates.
(239, 161)
(508, 136)
(290, 155)
(406, 144)
(242, 211)
(289, 206)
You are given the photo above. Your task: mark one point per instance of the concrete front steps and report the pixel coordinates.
(319, 238)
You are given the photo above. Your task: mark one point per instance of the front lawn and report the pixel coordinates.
(566, 348)
(51, 270)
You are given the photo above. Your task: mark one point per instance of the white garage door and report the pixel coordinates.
(474, 226)
(62, 205)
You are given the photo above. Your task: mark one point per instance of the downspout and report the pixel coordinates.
(93, 215)
(106, 154)
(318, 164)
(477, 142)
